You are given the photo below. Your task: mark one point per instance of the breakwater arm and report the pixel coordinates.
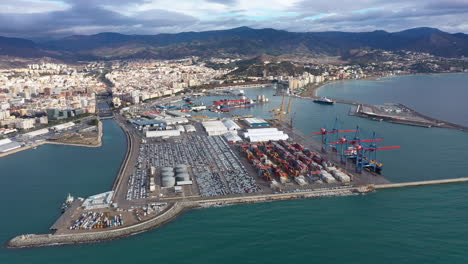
(38, 240)
(420, 183)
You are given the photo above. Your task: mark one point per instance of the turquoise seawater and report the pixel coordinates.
(413, 225)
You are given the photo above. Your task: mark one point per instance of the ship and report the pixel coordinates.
(324, 100)
(230, 104)
(67, 203)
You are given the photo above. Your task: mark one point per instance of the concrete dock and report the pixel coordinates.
(420, 183)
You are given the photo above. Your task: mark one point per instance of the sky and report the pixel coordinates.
(59, 18)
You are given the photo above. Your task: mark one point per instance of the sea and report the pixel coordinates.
(409, 225)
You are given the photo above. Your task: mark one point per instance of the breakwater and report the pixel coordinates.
(420, 183)
(413, 121)
(39, 240)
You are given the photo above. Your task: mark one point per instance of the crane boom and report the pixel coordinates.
(332, 132)
(356, 141)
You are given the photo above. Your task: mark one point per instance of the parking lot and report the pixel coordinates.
(216, 169)
(138, 182)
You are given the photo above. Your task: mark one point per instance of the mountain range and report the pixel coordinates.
(242, 41)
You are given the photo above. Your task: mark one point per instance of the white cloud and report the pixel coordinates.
(52, 17)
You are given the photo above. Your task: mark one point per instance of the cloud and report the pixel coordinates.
(56, 18)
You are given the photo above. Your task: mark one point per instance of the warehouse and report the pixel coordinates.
(231, 125)
(177, 113)
(265, 134)
(256, 122)
(8, 145)
(190, 128)
(63, 126)
(142, 123)
(163, 133)
(175, 120)
(102, 200)
(214, 128)
(36, 133)
(232, 137)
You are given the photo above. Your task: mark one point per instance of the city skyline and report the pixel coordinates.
(59, 18)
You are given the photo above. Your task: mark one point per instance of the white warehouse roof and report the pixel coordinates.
(189, 128)
(63, 126)
(232, 137)
(5, 141)
(9, 146)
(163, 133)
(36, 133)
(231, 125)
(265, 134)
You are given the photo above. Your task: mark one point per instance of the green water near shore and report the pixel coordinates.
(412, 225)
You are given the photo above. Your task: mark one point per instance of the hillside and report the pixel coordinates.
(239, 42)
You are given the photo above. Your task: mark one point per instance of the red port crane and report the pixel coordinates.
(323, 131)
(344, 141)
(324, 134)
(360, 148)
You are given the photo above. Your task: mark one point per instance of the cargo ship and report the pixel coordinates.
(230, 104)
(324, 100)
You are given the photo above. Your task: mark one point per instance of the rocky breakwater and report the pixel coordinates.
(39, 240)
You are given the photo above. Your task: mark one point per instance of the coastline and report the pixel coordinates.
(99, 144)
(313, 91)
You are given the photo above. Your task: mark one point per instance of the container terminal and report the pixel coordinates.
(176, 161)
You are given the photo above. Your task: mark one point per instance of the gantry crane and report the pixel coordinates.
(282, 114)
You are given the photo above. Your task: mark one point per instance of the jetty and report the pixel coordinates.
(420, 183)
(410, 117)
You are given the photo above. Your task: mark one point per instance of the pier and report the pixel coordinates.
(414, 118)
(420, 183)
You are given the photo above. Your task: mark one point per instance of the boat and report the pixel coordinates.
(230, 104)
(324, 100)
(67, 203)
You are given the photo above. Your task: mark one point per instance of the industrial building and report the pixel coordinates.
(8, 145)
(175, 120)
(102, 200)
(214, 128)
(163, 133)
(190, 128)
(231, 125)
(256, 122)
(177, 113)
(36, 133)
(143, 123)
(63, 126)
(265, 134)
(232, 137)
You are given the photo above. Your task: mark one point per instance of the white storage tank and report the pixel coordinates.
(167, 174)
(168, 182)
(183, 176)
(167, 169)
